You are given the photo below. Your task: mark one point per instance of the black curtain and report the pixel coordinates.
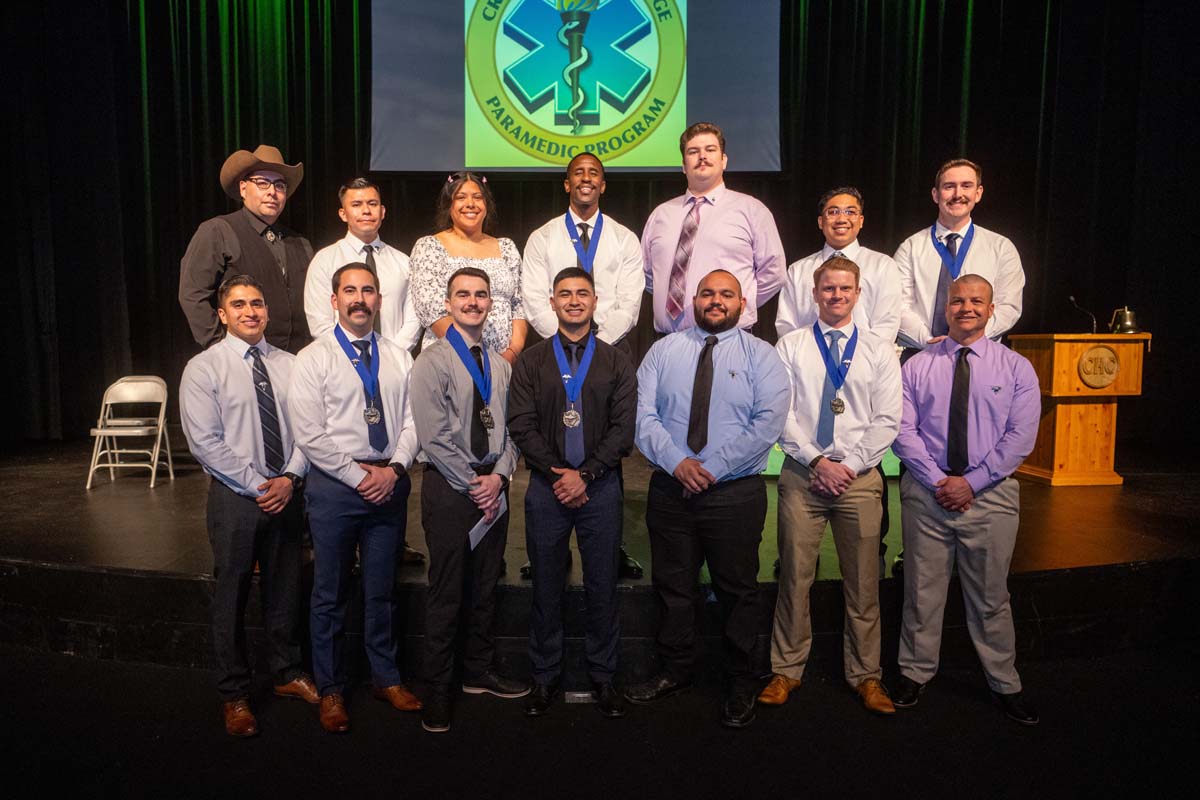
(123, 111)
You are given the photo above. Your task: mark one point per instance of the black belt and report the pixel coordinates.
(482, 469)
(383, 462)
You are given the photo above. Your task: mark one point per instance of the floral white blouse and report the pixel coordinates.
(432, 267)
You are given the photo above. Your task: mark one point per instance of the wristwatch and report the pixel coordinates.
(503, 482)
(813, 464)
(586, 476)
(297, 481)
(399, 469)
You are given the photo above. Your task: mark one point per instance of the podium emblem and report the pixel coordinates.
(1099, 366)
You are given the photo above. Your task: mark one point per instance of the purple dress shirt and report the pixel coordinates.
(1002, 420)
(736, 233)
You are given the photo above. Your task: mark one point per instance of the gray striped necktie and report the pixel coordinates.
(268, 415)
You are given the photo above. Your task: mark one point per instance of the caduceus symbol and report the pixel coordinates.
(575, 15)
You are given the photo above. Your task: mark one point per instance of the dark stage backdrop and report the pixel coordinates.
(119, 115)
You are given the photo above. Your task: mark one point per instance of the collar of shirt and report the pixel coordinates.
(978, 346)
(699, 334)
(942, 230)
(356, 244)
(847, 329)
(562, 337)
(850, 251)
(714, 196)
(576, 219)
(241, 347)
(256, 222)
(353, 338)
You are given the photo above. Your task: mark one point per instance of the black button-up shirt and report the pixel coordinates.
(607, 403)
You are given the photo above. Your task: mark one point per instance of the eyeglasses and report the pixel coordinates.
(263, 184)
(848, 213)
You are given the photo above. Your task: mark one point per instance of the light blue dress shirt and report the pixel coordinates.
(747, 412)
(218, 406)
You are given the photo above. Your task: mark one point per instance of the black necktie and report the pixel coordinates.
(960, 399)
(267, 414)
(701, 397)
(479, 434)
(940, 327)
(573, 438)
(584, 241)
(377, 433)
(369, 258)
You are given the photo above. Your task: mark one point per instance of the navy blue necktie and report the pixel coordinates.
(480, 440)
(377, 433)
(574, 436)
(267, 415)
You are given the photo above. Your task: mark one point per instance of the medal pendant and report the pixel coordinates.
(485, 415)
(372, 415)
(571, 418)
(837, 405)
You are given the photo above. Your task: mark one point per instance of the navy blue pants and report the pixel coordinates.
(340, 519)
(597, 525)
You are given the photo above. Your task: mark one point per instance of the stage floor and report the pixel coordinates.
(47, 516)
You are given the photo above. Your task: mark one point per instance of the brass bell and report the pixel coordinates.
(1123, 321)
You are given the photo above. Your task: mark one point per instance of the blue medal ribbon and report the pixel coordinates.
(836, 372)
(573, 383)
(586, 257)
(483, 380)
(370, 379)
(953, 265)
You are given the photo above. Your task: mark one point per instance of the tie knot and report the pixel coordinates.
(838, 254)
(835, 335)
(710, 340)
(476, 351)
(367, 250)
(963, 352)
(254, 352)
(583, 228)
(951, 238)
(363, 346)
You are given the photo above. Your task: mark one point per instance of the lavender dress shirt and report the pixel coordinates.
(736, 233)
(1002, 420)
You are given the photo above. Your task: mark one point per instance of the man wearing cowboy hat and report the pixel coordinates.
(249, 241)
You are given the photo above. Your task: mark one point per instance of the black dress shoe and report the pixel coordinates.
(629, 567)
(494, 683)
(435, 712)
(538, 703)
(738, 710)
(609, 700)
(1016, 707)
(660, 686)
(905, 692)
(775, 569)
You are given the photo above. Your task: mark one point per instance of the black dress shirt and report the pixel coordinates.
(607, 402)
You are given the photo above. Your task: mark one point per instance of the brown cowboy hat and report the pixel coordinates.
(238, 165)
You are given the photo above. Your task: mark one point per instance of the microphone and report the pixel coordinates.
(1071, 297)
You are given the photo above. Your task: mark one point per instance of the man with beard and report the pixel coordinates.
(606, 250)
(352, 417)
(934, 257)
(844, 413)
(970, 417)
(712, 401)
(250, 241)
(709, 227)
(571, 411)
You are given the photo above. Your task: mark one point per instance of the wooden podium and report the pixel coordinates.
(1081, 376)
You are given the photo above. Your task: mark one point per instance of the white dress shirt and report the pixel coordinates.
(327, 400)
(991, 256)
(397, 317)
(218, 405)
(872, 394)
(617, 271)
(877, 309)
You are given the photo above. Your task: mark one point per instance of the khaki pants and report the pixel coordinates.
(854, 517)
(981, 541)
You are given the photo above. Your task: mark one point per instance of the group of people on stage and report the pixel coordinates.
(273, 413)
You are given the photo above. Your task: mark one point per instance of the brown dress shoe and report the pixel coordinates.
(239, 719)
(302, 687)
(334, 718)
(412, 556)
(777, 691)
(875, 697)
(399, 696)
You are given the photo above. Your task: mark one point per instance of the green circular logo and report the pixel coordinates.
(556, 78)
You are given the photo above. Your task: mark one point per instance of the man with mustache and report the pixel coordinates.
(606, 250)
(352, 416)
(970, 417)
(571, 411)
(709, 227)
(250, 241)
(844, 414)
(460, 399)
(712, 402)
(233, 402)
(934, 257)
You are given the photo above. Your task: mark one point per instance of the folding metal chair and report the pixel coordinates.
(112, 427)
